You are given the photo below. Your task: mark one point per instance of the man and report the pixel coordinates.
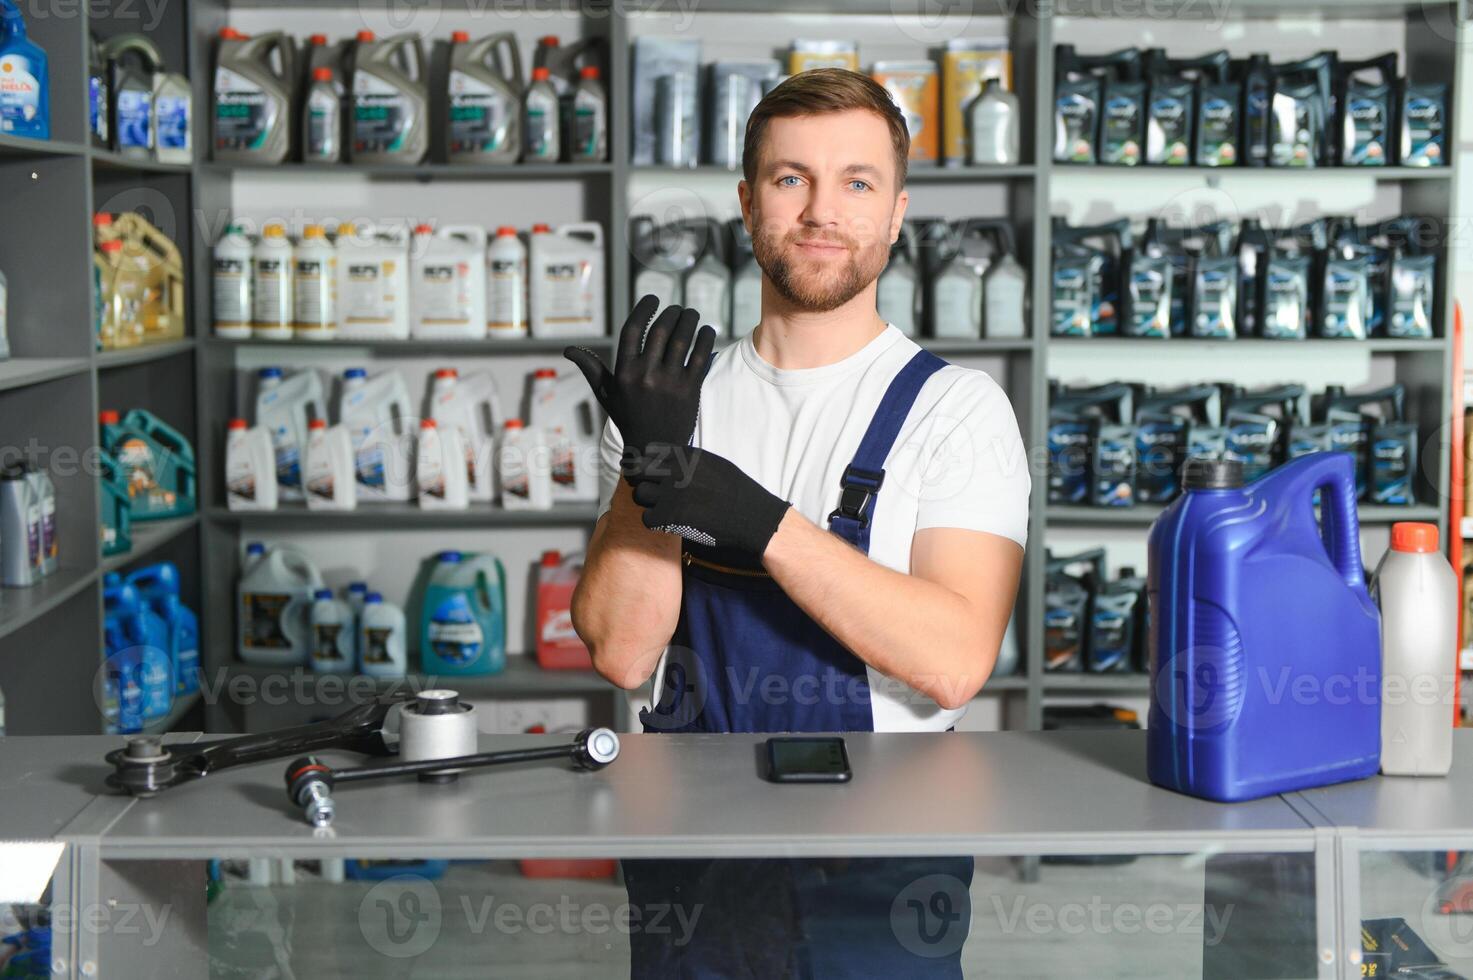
(819, 530)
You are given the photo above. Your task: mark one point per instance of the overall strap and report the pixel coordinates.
(866, 471)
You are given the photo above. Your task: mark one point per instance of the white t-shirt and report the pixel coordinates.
(958, 461)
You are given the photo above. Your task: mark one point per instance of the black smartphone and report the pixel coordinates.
(806, 759)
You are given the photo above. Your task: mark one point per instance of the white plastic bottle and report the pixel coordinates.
(472, 406)
(328, 468)
(271, 316)
(440, 469)
(1418, 594)
(334, 635)
(540, 120)
(376, 412)
(250, 468)
(274, 607)
(565, 281)
(447, 290)
(315, 286)
(283, 407)
(373, 283)
(233, 285)
(562, 410)
(523, 468)
(381, 640)
(506, 286)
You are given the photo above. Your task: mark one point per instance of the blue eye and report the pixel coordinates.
(788, 177)
(862, 185)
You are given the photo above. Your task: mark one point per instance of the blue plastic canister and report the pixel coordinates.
(1265, 653)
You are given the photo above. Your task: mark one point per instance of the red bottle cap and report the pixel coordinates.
(459, 37)
(113, 246)
(540, 74)
(231, 34)
(545, 373)
(317, 40)
(513, 423)
(1414, 536)
(447, 373)
(365, 36)
(107, 417)
(503, 231)
(552, 558)
(102, 218)
(541, 229)
(427, 423)
(424, 229)
(237, 424)
(548, 39)
(322, 73)
(588, 71)
(317, 424)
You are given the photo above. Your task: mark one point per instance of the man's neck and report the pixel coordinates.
(791, 339)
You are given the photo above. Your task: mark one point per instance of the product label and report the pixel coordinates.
(588, 126)
(431, 471)
(1411, 300)
(1285, 301)
(172, 122)
(33, 536)
(1073, 128)
(320, 482)
(1073, 301)
(1062, 620)
(273, 288)
(1392, 458)
(245, 114)
(1150, 303)
(187, 667)
(376, 645)
(383, 116)
(1120, 142)
(140, 470)
(328, 641)
(480, 116)
(97, 106)
(1365, 123)
(1217, 295)
(1219, 132)
(442, 294)
(1345, 300)
(1292, 132)
(1423, 124)
(288, 457)
(566, 292)
(1167, 129)
(368, 297)
(542, 120)
(262, 616)
(322, 125)
(240, 481)
(506, 292)
(20, 98)
(1109, 640)
(158, 682)
(454, 635)
(49, 549)
(231, 290)
(315, 293)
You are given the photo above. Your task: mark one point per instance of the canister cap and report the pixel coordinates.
(1414, 536)
(459, 37)
(1212, 474)
(540, 73)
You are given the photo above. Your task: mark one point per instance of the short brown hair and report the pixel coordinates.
(821, 90)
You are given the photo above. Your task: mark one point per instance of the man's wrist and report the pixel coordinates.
(786, 539)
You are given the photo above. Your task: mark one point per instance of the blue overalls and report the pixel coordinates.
(745, 658)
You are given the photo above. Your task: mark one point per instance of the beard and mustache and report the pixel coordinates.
(813, 284)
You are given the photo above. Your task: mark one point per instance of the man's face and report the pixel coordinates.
(823, 208)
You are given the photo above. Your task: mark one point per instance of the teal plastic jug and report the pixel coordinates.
(463, 616)
(157, 462)
(1265, 654)
(113, 502)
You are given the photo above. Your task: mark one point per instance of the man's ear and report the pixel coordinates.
(897, 217)
(744, 197)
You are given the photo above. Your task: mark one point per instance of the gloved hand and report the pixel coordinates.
(705, 498)
(653, 394)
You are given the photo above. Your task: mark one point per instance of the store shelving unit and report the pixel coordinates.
(55, 384)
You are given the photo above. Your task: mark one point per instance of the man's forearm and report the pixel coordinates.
(908, 628)
(628, 599)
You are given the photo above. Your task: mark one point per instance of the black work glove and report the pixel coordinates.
(653, 394)
(705, 498)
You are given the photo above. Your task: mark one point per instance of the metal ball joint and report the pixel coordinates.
(432, 729)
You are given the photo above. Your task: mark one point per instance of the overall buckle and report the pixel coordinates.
(858, 488)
